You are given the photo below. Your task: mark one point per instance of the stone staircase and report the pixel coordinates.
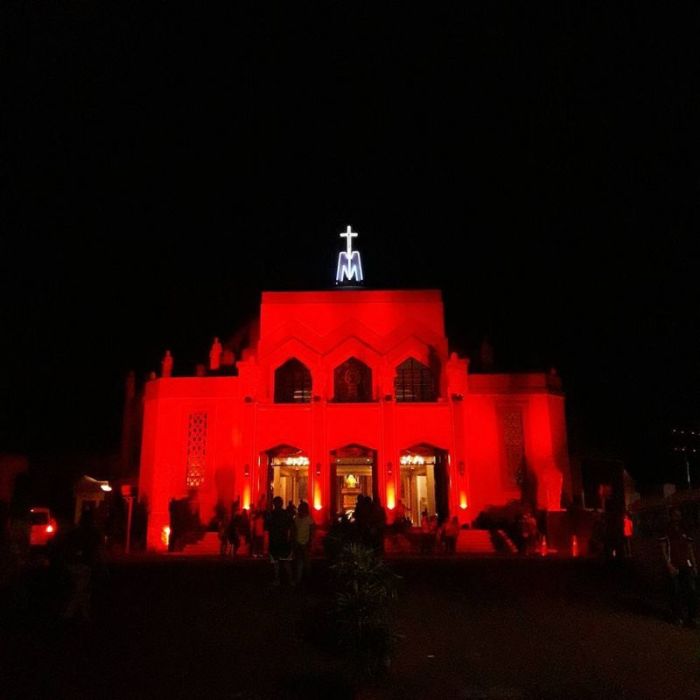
(468, 542)
(207, 546)
(475, 542)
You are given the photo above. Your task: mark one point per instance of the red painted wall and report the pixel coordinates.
(322, 330)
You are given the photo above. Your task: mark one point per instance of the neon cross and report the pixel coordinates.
(349, 264)
(349, 234)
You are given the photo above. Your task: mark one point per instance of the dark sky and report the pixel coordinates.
(162, 163)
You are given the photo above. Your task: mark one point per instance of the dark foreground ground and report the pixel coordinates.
(470, 628)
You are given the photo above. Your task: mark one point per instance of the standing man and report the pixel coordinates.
(679, 556)
(279, 526)
(303, 538)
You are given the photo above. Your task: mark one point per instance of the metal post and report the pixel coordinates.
(130, 508)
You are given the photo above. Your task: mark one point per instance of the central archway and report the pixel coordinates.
(287, 474)
(353, 474)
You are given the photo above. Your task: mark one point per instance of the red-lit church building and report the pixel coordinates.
(345, 392)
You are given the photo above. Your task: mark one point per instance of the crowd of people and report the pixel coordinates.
(289, 532)
(286, 534)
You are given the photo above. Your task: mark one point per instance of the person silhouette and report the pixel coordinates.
(678, 552)
(79, 552)
(279, 526)
(303, 538)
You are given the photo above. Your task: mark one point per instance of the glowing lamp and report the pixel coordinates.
(106, 487)
(463, 500)
(296, 461)
(49, 528)
(165, 535)
(246, 497)
(317, 496)
(390, 496)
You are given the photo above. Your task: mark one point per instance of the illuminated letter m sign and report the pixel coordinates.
(349, 264)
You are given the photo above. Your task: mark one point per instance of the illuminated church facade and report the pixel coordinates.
(345, 392)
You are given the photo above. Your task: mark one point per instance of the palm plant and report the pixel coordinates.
(365, 587)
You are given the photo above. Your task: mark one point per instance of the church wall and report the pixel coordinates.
(485, 425)
(560, 445)
(543, 438)
(162, 461)
(169, 405)
(485, 458)
(546, 448)
(381, 312)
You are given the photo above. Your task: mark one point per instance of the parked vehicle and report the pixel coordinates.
(44, 526)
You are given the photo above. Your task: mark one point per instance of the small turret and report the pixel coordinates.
(215, 355)
(167, 365)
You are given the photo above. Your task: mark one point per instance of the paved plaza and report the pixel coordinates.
(170, 627)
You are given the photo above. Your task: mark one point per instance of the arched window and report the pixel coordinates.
(414, 382)
(292, 383)
(353, 381)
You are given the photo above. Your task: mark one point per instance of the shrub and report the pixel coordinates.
(365, 587)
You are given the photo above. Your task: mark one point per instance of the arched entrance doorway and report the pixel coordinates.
(353, 474)
(424, 482)
(288, 474)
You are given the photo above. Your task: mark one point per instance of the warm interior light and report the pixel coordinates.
(165, 535)
(106, 487)
(412, 459)
(49, 528)
(463, 500)
(246, 497)
(317, 496)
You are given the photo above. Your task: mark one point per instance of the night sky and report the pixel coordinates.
(162, 163)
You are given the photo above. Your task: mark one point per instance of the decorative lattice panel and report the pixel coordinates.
(514, 442)
(196, 449)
